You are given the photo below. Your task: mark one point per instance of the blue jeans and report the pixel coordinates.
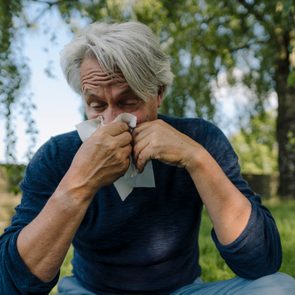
(275, 284)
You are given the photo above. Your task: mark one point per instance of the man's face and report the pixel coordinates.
(108, 96)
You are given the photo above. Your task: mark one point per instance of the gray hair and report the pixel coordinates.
(130, 47)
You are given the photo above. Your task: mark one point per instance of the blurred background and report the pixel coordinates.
(233, 63)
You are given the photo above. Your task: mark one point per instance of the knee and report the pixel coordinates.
(277, 283)
(282, 278)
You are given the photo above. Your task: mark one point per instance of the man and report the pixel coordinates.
(147, 244)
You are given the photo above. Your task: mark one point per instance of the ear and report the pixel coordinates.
(160, 96)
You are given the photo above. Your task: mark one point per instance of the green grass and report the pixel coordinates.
(213, 266)
(283, 212)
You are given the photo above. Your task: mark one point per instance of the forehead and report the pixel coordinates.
(92, 75)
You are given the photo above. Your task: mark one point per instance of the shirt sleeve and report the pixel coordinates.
(36, 188)
(257, 251)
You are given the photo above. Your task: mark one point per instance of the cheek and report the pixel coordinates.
(140, 116)
(90, 114)
(146, 115)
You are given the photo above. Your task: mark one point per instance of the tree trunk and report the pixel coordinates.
(285, 127)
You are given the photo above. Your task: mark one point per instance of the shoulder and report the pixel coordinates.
(52, 160)
(60, 146)
(67, 142)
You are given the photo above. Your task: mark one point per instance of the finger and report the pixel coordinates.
(122, 154)
(142, 126)
(115, 128)
(139, 136)
(127, 150)
(123, 139)
(154, 124)
(139, 146)
(144, 130)
(142, 159)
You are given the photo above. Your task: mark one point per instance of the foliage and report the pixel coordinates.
(13, 174)
(213, 266)
(203, 38)
(256, 145)
(13, 76)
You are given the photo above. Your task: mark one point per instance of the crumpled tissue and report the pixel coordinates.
(125, 184)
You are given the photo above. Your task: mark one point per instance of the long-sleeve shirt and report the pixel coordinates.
(147, 244)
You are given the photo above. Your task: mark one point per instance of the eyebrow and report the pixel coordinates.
(89, 92)
(128, 90)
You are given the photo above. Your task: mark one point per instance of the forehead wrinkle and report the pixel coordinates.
(94, 77)
(98, 78)
(91, 87)
(98, 72)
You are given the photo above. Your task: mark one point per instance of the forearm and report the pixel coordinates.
(228, 209)
(44, 242)
(257, 251)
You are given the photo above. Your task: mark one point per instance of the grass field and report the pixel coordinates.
(212, 264)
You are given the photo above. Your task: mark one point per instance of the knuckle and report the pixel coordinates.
(123, 126)
(141, 157)
(118, 155)
(112, 145)
(128, 136)
(128, 150)
(153, 142)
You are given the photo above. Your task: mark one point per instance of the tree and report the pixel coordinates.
(256, 145)
(13, 76)
(206, 39)
(258, 38)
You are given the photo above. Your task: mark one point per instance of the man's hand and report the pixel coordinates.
(101, 159)
(158, 140)
(228, 209)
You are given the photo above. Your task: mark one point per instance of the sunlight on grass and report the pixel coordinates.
(283, 212)
(213, 266)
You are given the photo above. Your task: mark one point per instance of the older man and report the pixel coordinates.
(147, 244)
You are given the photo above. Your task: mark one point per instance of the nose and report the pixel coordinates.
(110, 114)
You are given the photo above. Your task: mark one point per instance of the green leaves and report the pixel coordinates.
(291, 79)
(203, 38)
(256, 145)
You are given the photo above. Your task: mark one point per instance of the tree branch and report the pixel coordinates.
(259, 17)
(247, 45)
(49, 3)
(234, 49)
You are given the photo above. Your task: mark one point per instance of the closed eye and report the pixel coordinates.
(98, 105)
(129, 102)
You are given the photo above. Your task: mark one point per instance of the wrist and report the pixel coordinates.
(195, 159)
(79, 192)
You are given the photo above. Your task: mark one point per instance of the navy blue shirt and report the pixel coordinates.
(147, 244)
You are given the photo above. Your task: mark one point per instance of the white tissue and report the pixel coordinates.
(86, 128)
(125, 184)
